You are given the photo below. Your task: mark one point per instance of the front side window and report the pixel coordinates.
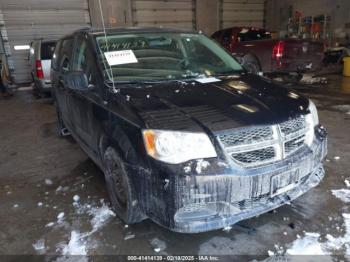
(55, 55)
(67, 46)
(83, 60)
(162, 56)
(79, 56)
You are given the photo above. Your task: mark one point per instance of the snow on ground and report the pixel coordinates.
(39, 246)
(347, 182)
(158, 245)
(308, 245)
(76, 198)
(344, 108)
(100, 216)
(312, 244)
(342, 194)
(60, 216)
(48, 182)
(78, 243)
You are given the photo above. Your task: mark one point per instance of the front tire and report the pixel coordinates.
(119, 188)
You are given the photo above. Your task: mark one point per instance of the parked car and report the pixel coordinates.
(40, 55)
(184, 135)
(257, 51)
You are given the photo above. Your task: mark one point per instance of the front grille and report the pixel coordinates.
(246, 136)
(294, 145)
(255, 156)
(265, 144)
(293, 126)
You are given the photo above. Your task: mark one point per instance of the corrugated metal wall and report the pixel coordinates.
(21, 21)
(242, 13)
(167, 13)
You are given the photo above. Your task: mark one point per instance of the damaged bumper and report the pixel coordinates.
(223, 195)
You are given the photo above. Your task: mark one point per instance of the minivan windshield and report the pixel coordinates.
(162, 56)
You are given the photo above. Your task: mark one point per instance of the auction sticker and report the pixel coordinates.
(207, 80)
(120, 57)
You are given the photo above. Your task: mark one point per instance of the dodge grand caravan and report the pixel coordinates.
(183, 134)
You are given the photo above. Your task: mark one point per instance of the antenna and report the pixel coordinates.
(105, 35)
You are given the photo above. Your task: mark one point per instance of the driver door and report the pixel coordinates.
(85, 103)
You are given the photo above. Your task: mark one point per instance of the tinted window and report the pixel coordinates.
(252, 35)
(55, 55)
(83, 60)
(66, 51)
(47, 49)
(79, 56)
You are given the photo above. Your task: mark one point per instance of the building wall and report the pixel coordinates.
(207, 16)
(116, 13)
(339, 10)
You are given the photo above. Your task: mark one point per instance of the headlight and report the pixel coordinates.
(176, 147)
(311, 121)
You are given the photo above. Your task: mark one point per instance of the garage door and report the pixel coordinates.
(21, 21)
(242, 13)
(167, 13)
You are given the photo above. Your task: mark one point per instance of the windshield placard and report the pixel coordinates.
(207, 80)
(120, 57)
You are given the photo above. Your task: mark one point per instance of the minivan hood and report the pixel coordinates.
(227, 104)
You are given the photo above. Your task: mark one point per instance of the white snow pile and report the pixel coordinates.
(342, 194)
(50, 224)
(343, 108)
(201, 165)
(158, 245)
(347, 182)
(100, 216)
(310, 244)
(60, 216)
(39, 246)
(48, 181)
(76, 198)
(78, 243)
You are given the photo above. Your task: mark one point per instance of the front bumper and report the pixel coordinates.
(222, 195)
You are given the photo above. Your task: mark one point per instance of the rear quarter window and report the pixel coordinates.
(47, 50)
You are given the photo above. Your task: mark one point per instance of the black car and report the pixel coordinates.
(183, 134)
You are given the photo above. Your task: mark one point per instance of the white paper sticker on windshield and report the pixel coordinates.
(207, 80)
(120, 57)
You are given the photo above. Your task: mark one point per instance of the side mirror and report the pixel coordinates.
(78, 81)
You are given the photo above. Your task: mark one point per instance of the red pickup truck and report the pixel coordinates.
(257, 51)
